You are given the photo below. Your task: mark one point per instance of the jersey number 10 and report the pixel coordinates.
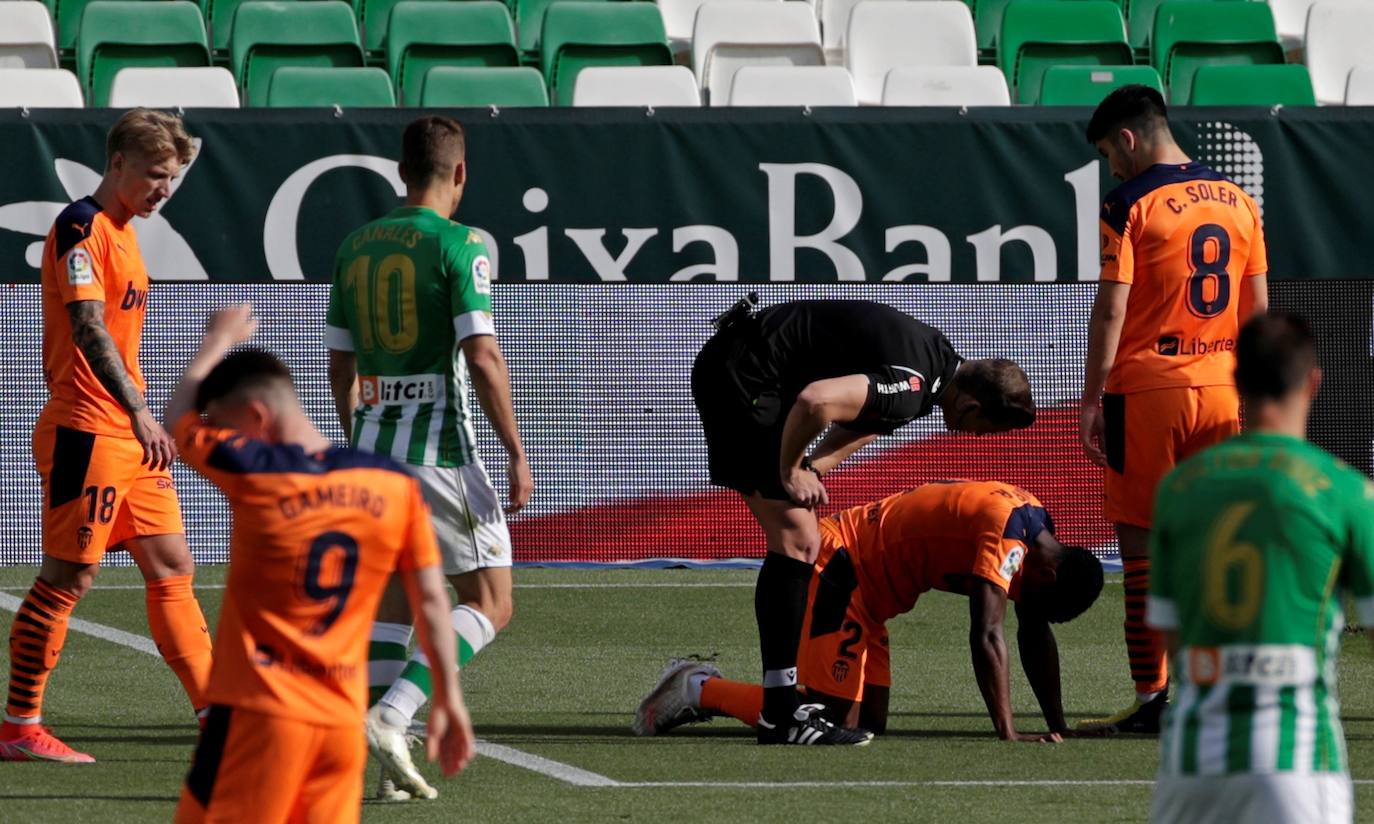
(1203, 301)
(391, 318)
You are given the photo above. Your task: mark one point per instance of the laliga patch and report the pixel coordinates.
(481, 275)
(1012, 564)
(80, 272)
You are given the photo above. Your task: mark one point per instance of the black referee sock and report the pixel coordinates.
(780, 608)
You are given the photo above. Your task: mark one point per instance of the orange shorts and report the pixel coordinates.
(1148, 433)
(97, 494)
(842, 648)
(254, 767)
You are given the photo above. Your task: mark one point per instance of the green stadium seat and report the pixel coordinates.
(987, 22)
(67, 17)
(1087, 85)
(1140, 23)
(422, 35)
(374, 18)
(117, 34)
(1288, 85)
(1191, 34)
(219, 20)
(447, 86)
(1037, 34)
(269, 34)
(310, 86)
(529, 23)
(580, 34)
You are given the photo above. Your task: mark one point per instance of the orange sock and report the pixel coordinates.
(742, 701)
(36, 638)
(179, 629)
(1149, 663)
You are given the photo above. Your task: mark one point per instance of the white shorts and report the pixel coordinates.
(1282, 798)
(468, 520)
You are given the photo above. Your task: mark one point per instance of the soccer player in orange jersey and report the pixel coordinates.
(317, 533)
(102, 457)
(1183, 266)
(987, 540)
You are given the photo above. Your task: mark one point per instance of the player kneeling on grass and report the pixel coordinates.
(317, 532)
(990, 541)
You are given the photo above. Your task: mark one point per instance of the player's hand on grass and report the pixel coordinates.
(450, 740)
(804, 487)
(1091, 430)
(159, 449)
(521, 484)
(232, 325)
(1036, 737)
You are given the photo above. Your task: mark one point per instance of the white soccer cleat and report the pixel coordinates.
(670, 703)
(388, 744)
(387, 789)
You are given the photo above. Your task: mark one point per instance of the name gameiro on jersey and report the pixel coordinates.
(1254, 543)
(407, 289)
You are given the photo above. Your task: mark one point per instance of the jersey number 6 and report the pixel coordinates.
(337, 592)
(1207, 272)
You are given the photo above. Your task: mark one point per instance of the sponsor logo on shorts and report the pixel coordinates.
(395, 390)
(84, 536)
(166, 483)
(80, 272)
(1012, 564)
(839, 670)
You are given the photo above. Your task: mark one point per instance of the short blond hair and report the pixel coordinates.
(150, 133)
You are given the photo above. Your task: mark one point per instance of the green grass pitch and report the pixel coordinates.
(562, 683)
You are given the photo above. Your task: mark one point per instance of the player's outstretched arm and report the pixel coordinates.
(839, 443)
(343, 385)
(102, 353)
(226, 329)
(1104, 336)
(450, 739)
(491, 380)
(987, 609)
(1040, 660)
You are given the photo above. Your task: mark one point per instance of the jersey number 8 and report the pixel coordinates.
(1209, 272)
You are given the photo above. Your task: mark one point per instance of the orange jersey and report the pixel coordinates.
(315, 539)
(936, 536)
(1184, 238)
(88, 257)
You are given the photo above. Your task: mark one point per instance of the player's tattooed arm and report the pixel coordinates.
(106, 362)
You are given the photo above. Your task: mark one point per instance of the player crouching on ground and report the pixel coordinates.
(317, 533)
(990, 541)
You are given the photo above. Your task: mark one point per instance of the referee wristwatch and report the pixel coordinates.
(807, 465)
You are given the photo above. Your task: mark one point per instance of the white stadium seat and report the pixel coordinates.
(26, 36)
(729, 35)
(636, 86)
(189, 88)
(1338, 40)
(793, 86)
(834, 17)
(679, 17)
(946, 86)
(1290, 20)
(1359, 87)
(884, 36)
(39, 89)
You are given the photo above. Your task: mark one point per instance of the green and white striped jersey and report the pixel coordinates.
(1255, 541)
(407, 288)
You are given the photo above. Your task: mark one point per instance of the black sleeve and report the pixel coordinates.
(895, 398)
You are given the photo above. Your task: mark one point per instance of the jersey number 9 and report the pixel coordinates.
(390, 316)
(337, 592)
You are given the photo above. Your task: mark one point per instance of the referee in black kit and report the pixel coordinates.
(766, 385)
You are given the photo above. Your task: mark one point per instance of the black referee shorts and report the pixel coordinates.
(742, 413)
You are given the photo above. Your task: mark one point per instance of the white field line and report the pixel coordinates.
(114, 636)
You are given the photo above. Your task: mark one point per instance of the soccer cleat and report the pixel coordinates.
(34, 742)
(388, 744)
(1142, 717)
(387, 789)
(670, 704)
(811, 728)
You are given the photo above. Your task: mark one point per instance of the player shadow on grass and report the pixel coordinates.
(151, 799)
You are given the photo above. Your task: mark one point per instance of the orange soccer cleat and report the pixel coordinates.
(33, 742)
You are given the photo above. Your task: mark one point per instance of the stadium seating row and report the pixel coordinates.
(1034, 36)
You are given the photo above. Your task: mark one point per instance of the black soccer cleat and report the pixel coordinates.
(1141, 718)
(811, 728)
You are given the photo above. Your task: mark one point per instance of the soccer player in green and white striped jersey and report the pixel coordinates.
(409, 319)
(1256, 540)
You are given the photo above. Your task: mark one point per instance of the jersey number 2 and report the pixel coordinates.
(1233, 572)
(335, 593)
(1209, 286)
(391, 318)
